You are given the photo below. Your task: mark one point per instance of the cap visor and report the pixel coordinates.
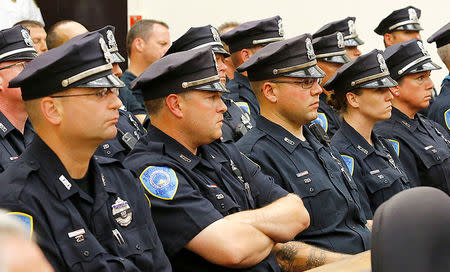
(336, 59)
(27, 55)
(309, 72)
(424, 66)
(215, 86)
(383, 82)
(220, 50)
(117, 58)
(410, 27)
(108, 81)
(356, 41)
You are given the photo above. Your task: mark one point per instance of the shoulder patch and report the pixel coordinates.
(26, 220)
(322, 121)
(447, 118)
(396, 145)
(161, 182)
(350, 162)
(244, 106)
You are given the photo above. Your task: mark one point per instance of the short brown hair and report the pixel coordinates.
(29, 23)
(155, 105)
(141, 29)
(339, 101)
(226, 25)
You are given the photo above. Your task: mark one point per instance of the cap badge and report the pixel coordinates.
(215, 34)
(424, 51)
(382, 63)
(351, 27)
(27, 38)
(106, 52)
(280, 28)
(215, 61)
(111, 40)
(121, 211)
(309, 49)
(340, 39)
(413, 15)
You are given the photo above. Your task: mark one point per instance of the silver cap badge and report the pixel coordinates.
(280, 28)
(27, 38)
(111, 40)
(413, 15)
(309, 49)
(105, 50)
(340, 39)
(424, 51)
(351, 27)
(215, 34)
(382, 63)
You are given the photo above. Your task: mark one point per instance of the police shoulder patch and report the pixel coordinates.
(161, 182)
(447, 118)
(322, 121)
(26, 220)
(350, 162)
(396, 145)
(244, 106)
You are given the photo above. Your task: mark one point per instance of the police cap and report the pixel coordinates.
(108, 35)
(330, 48)
(194, 69)
(367, 71)
(197, 37)
(441, 37)
(83, 61)
(401, 19)
(290, 58)
(253, 33)
(16, 44)
(346, 26)
(408, 57)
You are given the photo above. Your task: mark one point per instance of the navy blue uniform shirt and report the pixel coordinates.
(309, 170)
(12, 141)
(327, 117)
(112, 230)
(236, 121)
(131, 99)
(241, 93)
(376, 169)
(423, 147)
(440, 110)
(189, 192)
(127, 126)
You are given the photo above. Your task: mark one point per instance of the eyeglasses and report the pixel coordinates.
(100, 93)
(306, 83)
(23, 64)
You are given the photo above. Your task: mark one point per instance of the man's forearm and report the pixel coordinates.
(297, 256)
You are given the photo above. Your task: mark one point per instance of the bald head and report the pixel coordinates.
(63, 31)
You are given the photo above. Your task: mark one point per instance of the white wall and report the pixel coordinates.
(298, 16)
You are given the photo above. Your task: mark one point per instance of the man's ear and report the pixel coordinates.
(352, 99)
(270, 91)
(245, 54)
(139, 44)
(52, 110)
(176, 104)
(388, 39)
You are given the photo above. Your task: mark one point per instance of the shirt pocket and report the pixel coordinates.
(221, 201)
(431, 156)
(381, 179)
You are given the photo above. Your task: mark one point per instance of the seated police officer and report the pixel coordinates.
(285, 79)
(243, 41)
(330, 56)
(16, 131)
(214, 210)
(363, 96)
(347, 28)
(129, 129)
(236, 121)
(422, 145)
(88, 212)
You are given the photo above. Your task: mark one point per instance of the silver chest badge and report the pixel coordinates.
(340, 39)
(105, 50)
(215, 34)
(280, 28)
(27, 38)
(382, 63)
(309, 49)
(122, 212)
(424, 51)
(413, 15)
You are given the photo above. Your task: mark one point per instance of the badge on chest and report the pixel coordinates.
(122, 212)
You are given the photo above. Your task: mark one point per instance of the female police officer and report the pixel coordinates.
(363, 97)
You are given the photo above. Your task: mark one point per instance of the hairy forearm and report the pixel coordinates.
(297, 256)
(280, 220)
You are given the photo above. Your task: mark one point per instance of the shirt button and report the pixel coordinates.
(138, 247)
(108, 152)
(385, 182)
(86, 253)
(353, 227)
(350, 199)
(311, 189)
(222, 205)
(331, 176)
(438, 158)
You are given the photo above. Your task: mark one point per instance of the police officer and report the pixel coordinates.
(236, 121)
(88, 212)
(16, 131)
(244, 41)
(206, 197)
(300, 159)
(423, 146)
(129, 129)
(440, 109)
(362, 95)
(347, 28)
(330, 56)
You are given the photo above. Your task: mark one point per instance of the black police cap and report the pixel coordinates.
(290, 58)
(367, 71)
(194, 69)
(441, 37)
(197, 37)
(331, 48)
(346, 26)
(16, 44)
(108, 35)
(83, 61)
(401, 19)
(408, 57)
(253, 33)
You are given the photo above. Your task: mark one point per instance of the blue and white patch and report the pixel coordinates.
(447, 118)
(26, 219)
(161, 182)
(350, 162)
(396, 145)
(322, 121)
(244, 106)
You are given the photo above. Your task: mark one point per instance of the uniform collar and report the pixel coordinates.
(277, 132)
(5, 126)
(127, 75)
(241, 79)
(405, 121)
(357, 140)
